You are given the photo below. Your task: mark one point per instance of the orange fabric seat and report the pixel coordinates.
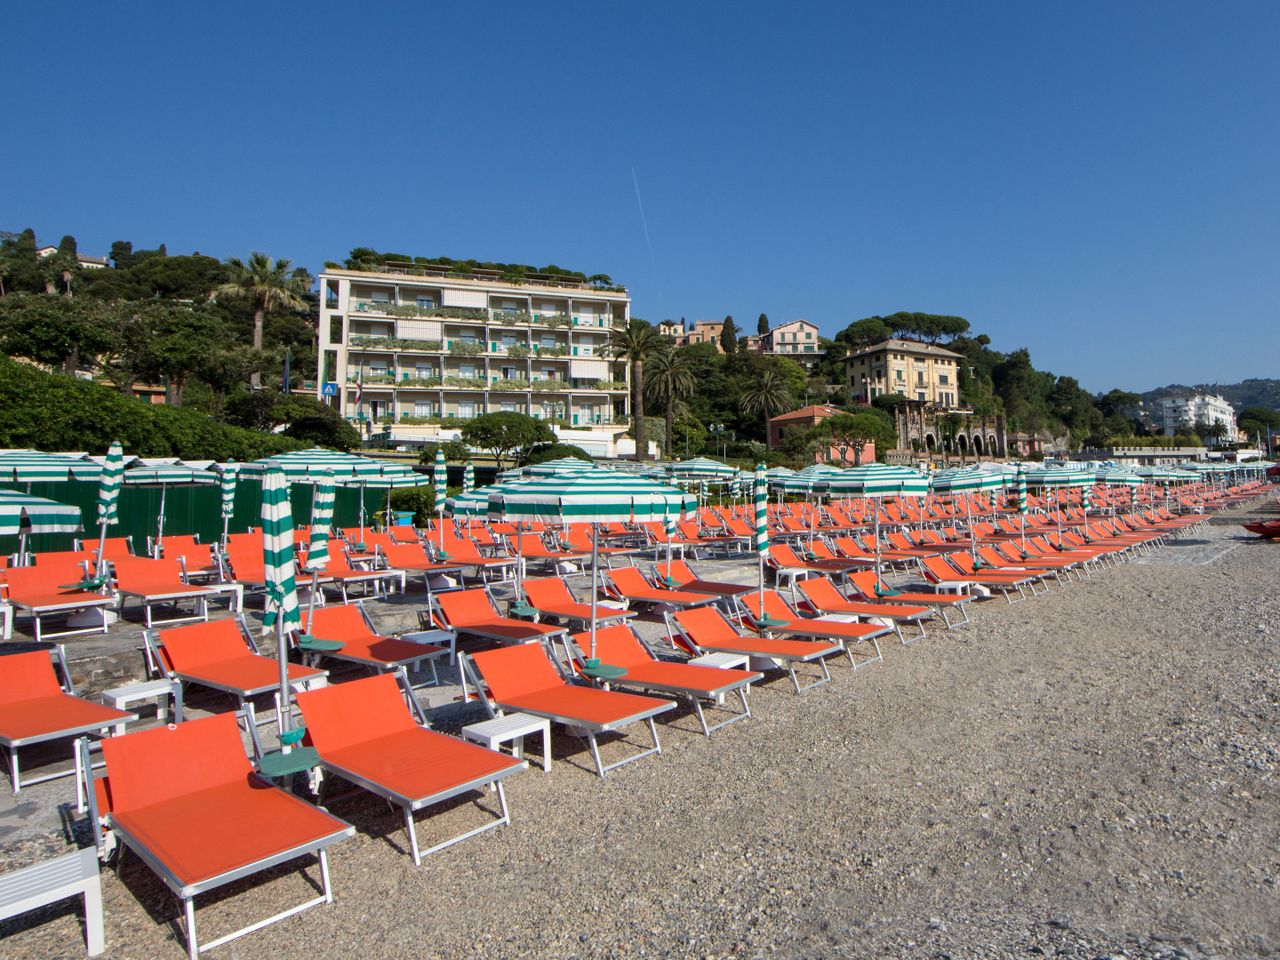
(825, 598)
(346, 624)
(215, 654)
(142, 576)
(188, 796)
(618, 646)
(630, 584)
(551, 596)
(865, 584)
(708, 629)
(34, 705)
(471, 611)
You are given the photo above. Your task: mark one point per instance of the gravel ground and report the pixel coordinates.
(1090, 773)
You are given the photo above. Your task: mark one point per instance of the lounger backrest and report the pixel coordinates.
(167, 763)
(341, 621)
(783, 554)
(42, 581)
(989, 554)
(27, 676)
(547, 591)
(821, 551)
(774, 606)
(189, 647)
(462, 607)
(516, 670)
(64, 558)
(864, 583)
(677, 570)
(688, 529)
(139, 572)
(820, 592)
(403, 533)
(355, 712)
(115, 548)
(938, 567)
(705, 625)
(404, 553)
(629, 580)
(615, 645)
(458, 548)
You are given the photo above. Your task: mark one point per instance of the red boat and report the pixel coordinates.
(1269, 529)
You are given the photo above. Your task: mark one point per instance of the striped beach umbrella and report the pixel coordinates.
(230, 474)
(440, 476)
(469, 478)
(966, 480)
(761, 532)
(599, 496)
(1020, 488)
(1117, 477)
(877, 481)
(322, 498)
(28, 466)
(303, 464)
(554, 468)
(109, 495)
(22, 515)
(281, 606)
(702, 468)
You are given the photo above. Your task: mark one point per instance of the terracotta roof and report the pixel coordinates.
(807, 413)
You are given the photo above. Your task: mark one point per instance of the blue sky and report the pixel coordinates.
(1095, 181)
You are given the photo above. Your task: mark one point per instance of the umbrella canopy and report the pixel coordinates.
(26, 466)
(301, 464)
(965, 480)
(775, 473)
(702, 468)
(21, 513)
(169, 475)
(1059, 478)
(1117, 477)
(561, 465)
(1157, 474)
(878, 480)
(476, 502)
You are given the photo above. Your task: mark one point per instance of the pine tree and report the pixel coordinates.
(729, 336)
(762, 325)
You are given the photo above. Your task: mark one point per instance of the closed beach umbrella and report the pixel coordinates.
(230, 473)
(596, 497)
(109, 496)
(281, 610)
(440, 475)
(761, 537)
(1020, 486)
(468, 478)
(318, 548)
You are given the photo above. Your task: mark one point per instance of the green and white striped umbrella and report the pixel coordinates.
(965, 480)
(476, 502)
(109, 487)
(702, 468)
(761, 511)
(322, 498)
(558, 467)
(1158, 474)
(878, 480)
(1117, 477)
(1086, 497)
(302, 464)
(277, 554)
(230, 473)
(440, 478)
(469, 478)
(1058, 478)
(775, 473)
(168, 475)
(27, 466)
(22, 514)
(1020, 485)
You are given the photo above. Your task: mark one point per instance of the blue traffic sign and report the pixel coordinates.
(329, 390)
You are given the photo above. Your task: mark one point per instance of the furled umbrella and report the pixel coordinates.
(440, 477)
(230, 474)
(469, 478)
(322, 499)
(109, 497)
(1020, 487)
(761, 532)
(281, 609)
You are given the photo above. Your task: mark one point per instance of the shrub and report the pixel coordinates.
(555, 451)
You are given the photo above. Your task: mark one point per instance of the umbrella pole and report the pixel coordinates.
(102, 546)
(311, 605)
(282, 654)
(1022, 523)
(159, 547)
(973, 542)
(875, 506)
(519, 558)
(595, 562)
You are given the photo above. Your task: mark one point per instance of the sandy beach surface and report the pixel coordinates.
(1090, 773)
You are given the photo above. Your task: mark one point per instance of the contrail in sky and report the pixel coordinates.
(653, 263)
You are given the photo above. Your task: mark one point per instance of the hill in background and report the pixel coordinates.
(1246, 393)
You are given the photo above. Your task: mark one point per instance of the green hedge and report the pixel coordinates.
(51, 412)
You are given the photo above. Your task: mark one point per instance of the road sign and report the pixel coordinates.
(329, 390)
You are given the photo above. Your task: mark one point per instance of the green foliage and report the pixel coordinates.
(848, 432)
(555, 451)
(455, 451)
(421, 500)
(303, 418)
(762, 325)
(53, 330)
(371, 261)
(53, 412)
(505, 434)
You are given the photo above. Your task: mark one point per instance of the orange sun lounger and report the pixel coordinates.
(618, 646)
(705, 630)
(775, 615)
(472, 612)
(680, 576)
(629, 585)
(159, 583)
(35, 708)
(550, 597)
(53, 590)
(220, 655)
(185, 799)
(522, 678)
(349, 625)
(822, 597)
(866, 586)
(937, 570)
(366, 734)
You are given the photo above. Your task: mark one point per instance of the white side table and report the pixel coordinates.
(721, 661)
(439, 638)
(159, 690)
(512, 728)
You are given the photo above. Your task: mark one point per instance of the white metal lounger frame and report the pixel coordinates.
(36, 611)
(786, 663)
(586, 730)
(197, 594)
(98, 729)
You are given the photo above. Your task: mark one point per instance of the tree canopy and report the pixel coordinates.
(506, 435)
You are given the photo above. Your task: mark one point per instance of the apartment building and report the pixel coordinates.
(410, 351)
(796, 339)
(1178, 413)
(919, 371)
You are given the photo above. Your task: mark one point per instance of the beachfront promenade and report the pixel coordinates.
(1086, 773)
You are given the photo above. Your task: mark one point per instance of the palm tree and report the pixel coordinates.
(266, 285)
(769, 395)
(634, 344)
(670, 381)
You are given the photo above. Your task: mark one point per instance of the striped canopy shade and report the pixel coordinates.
(761, 511)
(702, 468)
(300, 464)
(476, 502)
(1117, 477)
(27, 466)
(601, 496)
(277, 552)
(230, 472)
(1020, 487)
(321, 520)
(385, 481)
(806, 484)
(775, 473)
(469, 478)
(169, 475)
(965, 480)
(1157, 474)
(561, 465)
(109, 486)
(878, 480)
(1207, 466)
(440, 477)
(1059, 477)
(21, 513)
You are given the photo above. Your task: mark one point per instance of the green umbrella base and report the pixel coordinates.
(280, 764)
(596, 670)
(312, 644)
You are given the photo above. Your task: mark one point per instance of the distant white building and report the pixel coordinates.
(86, 262)
(1178, 413)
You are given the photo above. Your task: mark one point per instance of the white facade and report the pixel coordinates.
(408, 353)
(1183, 412)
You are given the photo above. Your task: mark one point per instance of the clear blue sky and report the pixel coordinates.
(1099, 182)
